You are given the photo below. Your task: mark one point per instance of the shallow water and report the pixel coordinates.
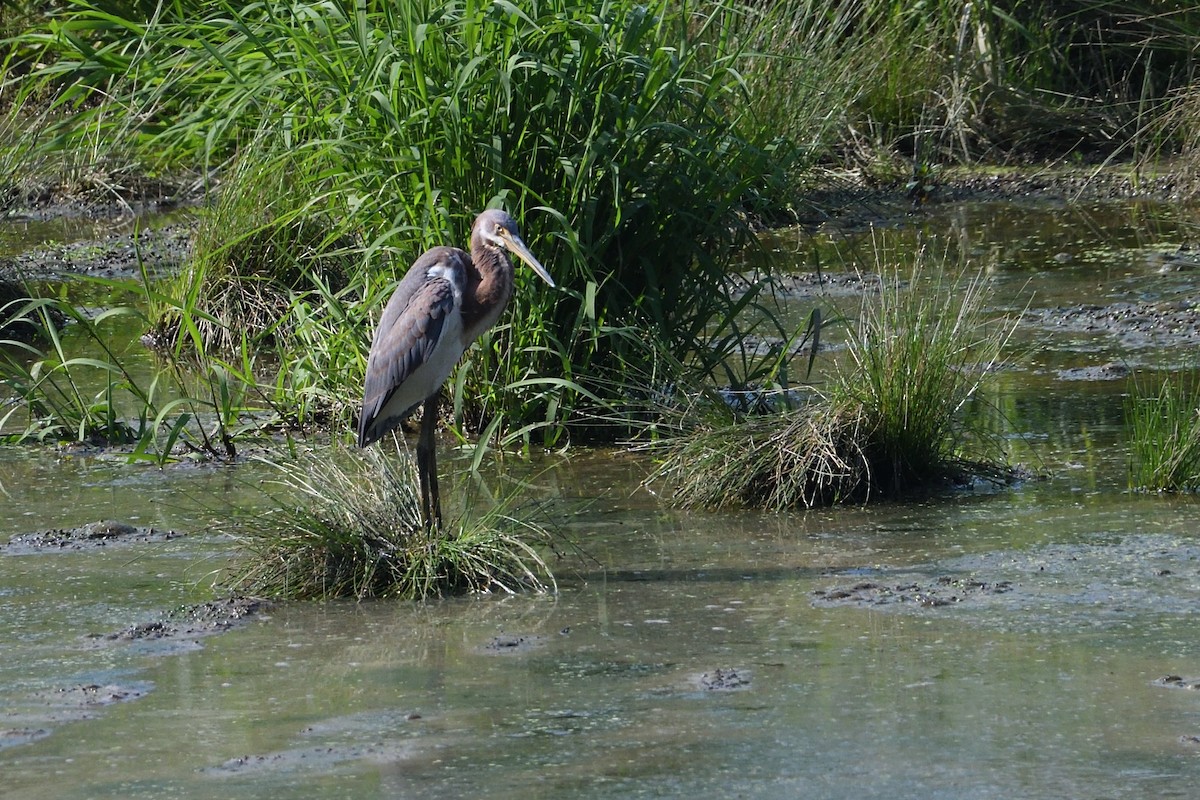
(699, 663)
(685, 654)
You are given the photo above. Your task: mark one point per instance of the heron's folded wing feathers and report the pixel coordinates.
(406, 344)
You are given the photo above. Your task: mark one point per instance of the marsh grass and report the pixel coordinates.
(1164, 431)
(64, 377)
(917, 354)
(799, 458)
(350, 526)
(886, 424)
(260, 244)
(639, 144)
(616, 132)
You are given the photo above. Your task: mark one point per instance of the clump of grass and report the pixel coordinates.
(803, 457)
(352, 527)
(887, 424)
(263, 241)
(1164, 428)
(916, 356)
(617, 134)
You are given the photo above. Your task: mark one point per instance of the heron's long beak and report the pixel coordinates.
(517, 247)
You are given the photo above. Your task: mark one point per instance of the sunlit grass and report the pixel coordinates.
(1164, 433)
(351, 526)
(887, 423)
(258, 245)
(639, 144)
(619, 135)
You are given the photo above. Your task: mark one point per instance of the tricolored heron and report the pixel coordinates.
(444, 303)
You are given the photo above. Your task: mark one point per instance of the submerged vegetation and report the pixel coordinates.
(886, 423)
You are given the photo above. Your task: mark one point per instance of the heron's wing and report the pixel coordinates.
(408, 333)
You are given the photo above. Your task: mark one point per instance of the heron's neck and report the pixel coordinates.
(489, 286)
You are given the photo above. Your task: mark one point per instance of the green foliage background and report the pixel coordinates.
(639, 144)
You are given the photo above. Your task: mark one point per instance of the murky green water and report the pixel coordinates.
(690, 654)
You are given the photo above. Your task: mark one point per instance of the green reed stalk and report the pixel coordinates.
(611, 130)
(1164, 433)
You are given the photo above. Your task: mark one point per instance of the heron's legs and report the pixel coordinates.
(431, 501)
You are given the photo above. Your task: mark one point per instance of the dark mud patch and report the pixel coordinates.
(313, 759)
(1138, 325)
(35, 715)
(361, 725)
(1063, 183)
(723, 680)
(1111, 371)
(159, 251)
(513, 644)
(941, 591)
(1178, 682)
(90, 695)
(717, 680)
(90, 536)
(189, 623)
(807, 285)
(119, 195)
(1108, 582)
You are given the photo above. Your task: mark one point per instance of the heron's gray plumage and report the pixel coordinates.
(417, 317)
(447, 299)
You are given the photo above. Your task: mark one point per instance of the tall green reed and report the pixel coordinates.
(918, 353)
(613, 131)
(637, 143)
(1164, 435)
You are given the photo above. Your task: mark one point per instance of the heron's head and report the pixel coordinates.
(497, 229)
